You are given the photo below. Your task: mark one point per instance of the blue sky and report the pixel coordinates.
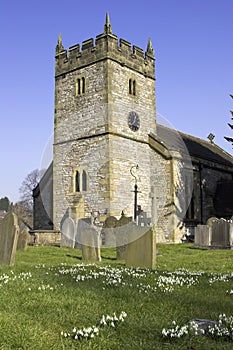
(193, 46)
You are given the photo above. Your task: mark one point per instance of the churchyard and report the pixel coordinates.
(52, 299)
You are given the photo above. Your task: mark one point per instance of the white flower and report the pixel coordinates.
(96, 330)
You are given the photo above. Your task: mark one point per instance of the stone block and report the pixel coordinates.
(9, 232)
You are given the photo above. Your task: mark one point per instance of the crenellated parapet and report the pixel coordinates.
(105, 46)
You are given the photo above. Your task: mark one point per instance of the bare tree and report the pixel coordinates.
(24, 208)
(24, 213)
(230, 139)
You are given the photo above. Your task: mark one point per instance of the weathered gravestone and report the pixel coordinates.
(221, 234)
(203, 325)
(211, 220)
(109, 232)
(141, 252)
(24, 236)
(202, 236)
(123, 228)
(141, 249)
(68, 233)
(90, 244)
(9, 231)
(23, 239)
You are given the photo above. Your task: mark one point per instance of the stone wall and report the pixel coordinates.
(45, 237)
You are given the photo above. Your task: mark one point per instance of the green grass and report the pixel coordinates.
(33, 319)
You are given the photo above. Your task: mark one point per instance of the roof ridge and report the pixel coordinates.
(199, 139)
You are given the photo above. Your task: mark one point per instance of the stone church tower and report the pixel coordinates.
(104, 112)
(106, 141)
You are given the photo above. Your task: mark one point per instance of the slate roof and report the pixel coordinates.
(196, 147)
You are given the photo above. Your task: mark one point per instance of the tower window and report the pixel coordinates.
(80, 86)
(132, 87)
(80, 180)
(83, 85)
(84, 180)
(77, 182)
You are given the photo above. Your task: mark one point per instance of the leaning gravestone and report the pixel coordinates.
(23, 239)
(9, 231)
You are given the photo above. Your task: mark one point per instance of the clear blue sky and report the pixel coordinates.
(193, 46)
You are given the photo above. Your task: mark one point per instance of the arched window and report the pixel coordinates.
(80, 86)
(134, 87)
(84, 180)
(130, 86)
(77, 181)
(83, 85)
(80, 180)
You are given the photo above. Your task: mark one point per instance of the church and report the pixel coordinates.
(111, 157)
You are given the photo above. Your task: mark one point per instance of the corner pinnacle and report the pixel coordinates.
(150, 49)
(107, 26)
(59, 46)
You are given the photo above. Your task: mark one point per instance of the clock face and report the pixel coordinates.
(133, 121)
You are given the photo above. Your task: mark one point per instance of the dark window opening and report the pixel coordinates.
(84, 180)
(132, 87)
(83, 85)
(80, 86)
(77, 181)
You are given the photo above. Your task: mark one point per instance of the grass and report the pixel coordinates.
(40, 297)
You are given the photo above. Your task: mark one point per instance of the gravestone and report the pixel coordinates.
(203, 325)
(9, 231)
(123, 227)
(68, 233)
(23, 239)
(221, 234)
(109, 232)
(211, 220)
(90, 240)
(202, 236)
(142, 251)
